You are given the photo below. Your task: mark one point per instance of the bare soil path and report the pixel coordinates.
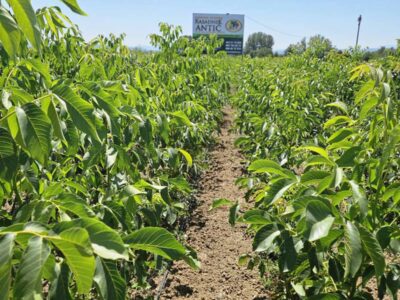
(217, 243)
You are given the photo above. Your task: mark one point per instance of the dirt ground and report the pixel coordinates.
(217, 243)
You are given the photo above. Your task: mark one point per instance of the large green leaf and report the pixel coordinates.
(348, 157)
(59, 288)
(353, 247)
(35, 130)
(38, 66)
(108, 280)
(256, 216)
(72, 203)
(105, 101)
(269, 166)
(288, 256)
(72, 137)
(10, 35)
(26, 19)
(75, 245)
(146, 131)
(105, 241)
(314, 176)
(338, 120)
(373, 249)
(81, 111)
(28, 279)
(265, 237)
(158, 241)
(8, 159)
(74, 6)
(278, 189)
(50, 109)
(319, 220)
(182, 118)
(6, 254)
(340, 135)
(316, 149)
(360, 197)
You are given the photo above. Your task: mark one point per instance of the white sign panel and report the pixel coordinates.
(226, 26)
(220, 24)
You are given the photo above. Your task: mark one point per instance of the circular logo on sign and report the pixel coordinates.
(233, 25)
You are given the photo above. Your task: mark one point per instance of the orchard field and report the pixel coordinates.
(185, 173)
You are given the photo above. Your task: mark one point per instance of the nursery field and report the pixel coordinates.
(185, 173)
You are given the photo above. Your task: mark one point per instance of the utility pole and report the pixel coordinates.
(358, 31)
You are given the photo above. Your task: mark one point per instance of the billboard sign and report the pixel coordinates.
(226, 26)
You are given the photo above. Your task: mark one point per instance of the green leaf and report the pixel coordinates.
(319, 220)
(367, 107)
(353, 254)
(277, 190)
(316, 149)
(74, 204)
(330, 296)
(8, 158)
(111, 157)
(374, 250)
(314, 177)
(339, 105)
(339, 120)
(217, 203)
(105, 100)
(108, 280)
(269, 166)
(321, 229)
(365, 91)
(348, 157)
(49, 108)
(233, 213)
(10, 35)
(288, 256)
(182, 118)
(82, 112)
(35, 130)
(255, 216)
(26, 19)
(38, 66)
(72, 137)
(187, 156)
(6, 254)
(340, 135)
(146, 131)
(383, 236)
(106, 242)
(265, 237)
(29, 274)
(75, 245)
(59, 287)
(318, 160)
(158, 241)
(360, 197)
(74, 6)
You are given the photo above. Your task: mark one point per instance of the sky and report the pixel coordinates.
(286, 20)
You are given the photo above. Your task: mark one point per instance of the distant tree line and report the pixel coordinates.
(260, 44)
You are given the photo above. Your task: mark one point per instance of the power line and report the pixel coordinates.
(271, 28)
